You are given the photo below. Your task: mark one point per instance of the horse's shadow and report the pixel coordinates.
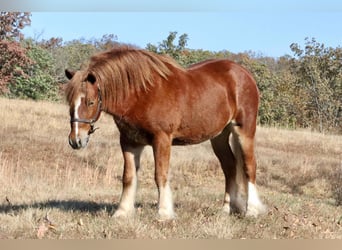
(64, 205)
(70, 205)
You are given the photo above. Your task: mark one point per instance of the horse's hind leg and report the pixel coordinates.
(235, 199)
(244, 144)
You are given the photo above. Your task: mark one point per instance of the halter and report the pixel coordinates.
(92, 121)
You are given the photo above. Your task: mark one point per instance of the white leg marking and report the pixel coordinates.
(255, 206)
(165, 210)
(126, 207)
(226, 203)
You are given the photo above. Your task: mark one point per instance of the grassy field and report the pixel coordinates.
(50, 191)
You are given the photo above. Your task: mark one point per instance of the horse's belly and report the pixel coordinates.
(200, 127)
(190, 140)
(195, 136)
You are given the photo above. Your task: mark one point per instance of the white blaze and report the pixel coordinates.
(77, 106)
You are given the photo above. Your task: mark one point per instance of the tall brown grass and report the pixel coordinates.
(49, 190)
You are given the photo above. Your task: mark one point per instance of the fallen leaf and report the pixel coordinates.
(80, 222)
(52, 226)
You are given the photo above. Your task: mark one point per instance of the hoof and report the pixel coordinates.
(165, 215)
(254, 210)
(226, 208)
(255, 207)
(122, 213)
(234, 209)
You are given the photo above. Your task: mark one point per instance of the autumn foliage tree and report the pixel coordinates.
(13, 63)
(13, 59)
(11, 24)
(38, 82)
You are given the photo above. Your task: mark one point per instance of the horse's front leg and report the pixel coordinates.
(131, 153)
(161, 150)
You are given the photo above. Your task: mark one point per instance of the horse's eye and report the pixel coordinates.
(90, 103)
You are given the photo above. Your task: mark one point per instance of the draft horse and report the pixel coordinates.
(154, 101)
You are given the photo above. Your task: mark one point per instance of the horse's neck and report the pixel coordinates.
(121, 107)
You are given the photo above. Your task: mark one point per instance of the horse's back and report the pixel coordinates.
(221, 68)
(238, 81)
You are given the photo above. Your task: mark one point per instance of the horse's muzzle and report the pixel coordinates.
(78, 143)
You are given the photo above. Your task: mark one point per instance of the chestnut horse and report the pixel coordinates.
(156, 102)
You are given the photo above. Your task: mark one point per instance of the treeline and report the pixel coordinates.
(302, 90)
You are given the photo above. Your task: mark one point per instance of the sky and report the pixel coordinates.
(265, 27)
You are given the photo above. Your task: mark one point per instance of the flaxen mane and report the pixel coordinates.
(126, 69)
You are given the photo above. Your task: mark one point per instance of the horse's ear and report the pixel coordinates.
(69, 74)
(91, 78)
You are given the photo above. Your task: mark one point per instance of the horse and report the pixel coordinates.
(155, 101)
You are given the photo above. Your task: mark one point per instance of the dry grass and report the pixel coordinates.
(49, 190)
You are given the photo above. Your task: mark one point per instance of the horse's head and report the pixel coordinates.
(84, 97)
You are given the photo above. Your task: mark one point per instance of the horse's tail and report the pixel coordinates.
(245, 191)
(241, 179)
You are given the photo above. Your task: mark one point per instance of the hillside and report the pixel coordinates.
(50, 191)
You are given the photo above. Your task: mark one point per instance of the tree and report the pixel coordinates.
(106, 42)
(13, 59)
(11, 23)
(72, 55)
(168, 46)
(13, 63)
(39, 84)
(318, 72)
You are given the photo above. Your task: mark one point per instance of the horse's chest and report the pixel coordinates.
(133, 133)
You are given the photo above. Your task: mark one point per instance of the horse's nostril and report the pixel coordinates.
(71, 143)
(76, 143)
